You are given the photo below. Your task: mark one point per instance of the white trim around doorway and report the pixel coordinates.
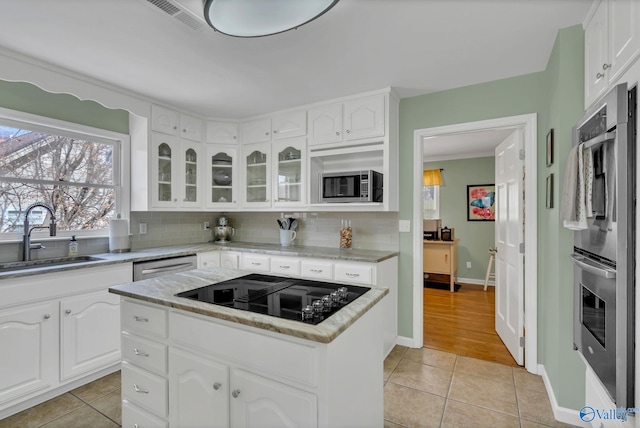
(528, 122)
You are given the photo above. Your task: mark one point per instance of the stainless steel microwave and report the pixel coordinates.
(351, 186)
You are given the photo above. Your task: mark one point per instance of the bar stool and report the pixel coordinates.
(492, 256)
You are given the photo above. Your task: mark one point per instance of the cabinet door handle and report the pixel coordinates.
(285, 267)
(348, 131)
(217, 386)
(446, 257)
(140, 353)
(47, 316)
(275, 131)
(317, 270)
(140, 319)
(256, 263)
(234, 137)
(175, 127)
(266, 133)
(352, 275)
(606, 66)
(68, 311)
(599, 76)
(337, 132)
(235, 393)
(142, 391)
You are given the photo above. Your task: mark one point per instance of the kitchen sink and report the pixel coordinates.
(34, 264)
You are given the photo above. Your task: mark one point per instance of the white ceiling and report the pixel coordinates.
(415, 46)
(464, 145)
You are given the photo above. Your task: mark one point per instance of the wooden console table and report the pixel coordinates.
(441, 257)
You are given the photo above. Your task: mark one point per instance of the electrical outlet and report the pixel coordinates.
(206, 225)
(143, 228)
(468, 265)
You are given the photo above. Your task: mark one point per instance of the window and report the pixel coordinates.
(430, 202)
(76, 170)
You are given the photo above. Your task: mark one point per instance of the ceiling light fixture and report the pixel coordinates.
(257, 18)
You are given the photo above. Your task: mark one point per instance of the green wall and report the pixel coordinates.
(475, 236)
(556, 95)
(29, 98)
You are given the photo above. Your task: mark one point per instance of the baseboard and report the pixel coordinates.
(405, 341)
(562, 414)
(475, 281)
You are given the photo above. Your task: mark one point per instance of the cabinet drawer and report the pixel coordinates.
(144, 353)
(133, 416)
(285, 266)
(145, 389)
(144, 319)
(317, 270)
(360, 274)
(255, 262)
(279, 358)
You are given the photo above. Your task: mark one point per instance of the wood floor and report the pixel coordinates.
(463, 323)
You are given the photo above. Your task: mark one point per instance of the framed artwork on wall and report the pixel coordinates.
(549, 192)
(550, 147)
(481, 202)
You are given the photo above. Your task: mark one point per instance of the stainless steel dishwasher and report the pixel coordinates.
(154, 268)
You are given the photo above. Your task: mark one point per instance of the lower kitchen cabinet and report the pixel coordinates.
(220, 374)
(28, 361)
(57, 331)
(90, 332)
(199, 393)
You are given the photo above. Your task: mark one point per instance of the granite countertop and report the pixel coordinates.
(355, 255)
(162, 291)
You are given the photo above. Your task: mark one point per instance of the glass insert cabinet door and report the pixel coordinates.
(289, 175)
(164, 155)
(257, 171)
(221, 167)
(190, 175)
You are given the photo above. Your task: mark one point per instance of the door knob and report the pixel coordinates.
(235, 393)
(217, 386)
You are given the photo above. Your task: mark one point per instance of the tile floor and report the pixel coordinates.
(430, 388)
(423, 388)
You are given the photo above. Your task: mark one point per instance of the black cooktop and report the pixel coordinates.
(303, 300)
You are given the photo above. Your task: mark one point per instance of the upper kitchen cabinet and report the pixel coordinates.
(280, 126)
(221, 178)
(355, 119)
(175, 173)
(221, 132)
(612, 44)
(256, 131)
(257, 168)
(173, 123)
(290, 170)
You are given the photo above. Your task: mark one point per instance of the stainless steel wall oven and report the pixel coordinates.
(604, 258)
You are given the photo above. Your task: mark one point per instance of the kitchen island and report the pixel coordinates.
(188, 363)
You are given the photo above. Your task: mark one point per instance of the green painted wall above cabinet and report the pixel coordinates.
(29, 98)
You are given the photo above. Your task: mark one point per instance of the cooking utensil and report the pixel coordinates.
(294, 224)
(280, 223)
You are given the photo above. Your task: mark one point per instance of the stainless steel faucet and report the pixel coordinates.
(27, 246)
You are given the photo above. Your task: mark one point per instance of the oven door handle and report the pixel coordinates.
(591, 267)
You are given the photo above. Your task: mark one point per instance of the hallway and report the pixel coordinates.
(463, 323)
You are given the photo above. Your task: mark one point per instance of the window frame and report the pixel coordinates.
(121, 164)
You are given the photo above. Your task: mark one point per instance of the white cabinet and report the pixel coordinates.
(199, 391)
(191, 128)
(164, 120)
(28, 361)
(356, 119)
(288, 125)
(230, 259)
(221, 132)
(176, 177)
(275, 174)
(208, 260)
(256, 131)
(283, 125)
(260, 402)
(221, 177)
(257, 168)
(256, 262)
(57, 331)
(612, 44)
(90, 332)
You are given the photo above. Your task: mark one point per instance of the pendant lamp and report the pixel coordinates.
(258, 18)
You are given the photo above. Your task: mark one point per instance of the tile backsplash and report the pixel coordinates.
(371, 231)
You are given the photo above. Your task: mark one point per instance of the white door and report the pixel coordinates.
(509, 235)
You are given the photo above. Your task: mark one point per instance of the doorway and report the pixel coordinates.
(527, 124)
